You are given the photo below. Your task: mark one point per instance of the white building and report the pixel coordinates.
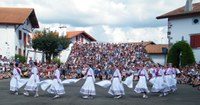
(16, 27)
(184, 24)
(156, 52)
(80, 36)
(75, 36)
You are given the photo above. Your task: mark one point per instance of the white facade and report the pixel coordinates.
(64, 55)
(7, 42)
(184, 27)
(158, 58)
(10, 43)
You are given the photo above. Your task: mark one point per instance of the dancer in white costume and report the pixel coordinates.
(173, 86)
(141, 86)
(167, 77)
(116, 88)
(33, 82)
(88, 88)
(159, 85)
(14, 82)
(152, 71)
(56, 87)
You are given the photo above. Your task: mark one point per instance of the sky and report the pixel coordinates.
(105, 20)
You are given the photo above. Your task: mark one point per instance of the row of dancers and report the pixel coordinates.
(163, 81)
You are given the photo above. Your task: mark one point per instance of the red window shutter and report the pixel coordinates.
(195, 41)
(29, 39)
(191, 41)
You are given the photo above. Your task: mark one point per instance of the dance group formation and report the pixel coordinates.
(115, 64)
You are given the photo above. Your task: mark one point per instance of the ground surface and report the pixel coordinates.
(186, 95)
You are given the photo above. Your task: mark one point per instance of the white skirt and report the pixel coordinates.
(169, 81)
(159, 85)
(56, 88)
(13, 84)
(173, 83)
(32, 85)
(152, 80)
(88, 87)
(116, 87)
(141, 86)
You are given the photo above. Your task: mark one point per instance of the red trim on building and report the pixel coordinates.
(195, 41)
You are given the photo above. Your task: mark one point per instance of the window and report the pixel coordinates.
(195, 40)
(195, 21)
(20, 34)
(24, 53)
(24, 39)
(27, 22)
(19, 51)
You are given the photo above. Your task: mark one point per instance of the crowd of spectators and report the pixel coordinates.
(190, 75)
(126, 56)
(5, 68)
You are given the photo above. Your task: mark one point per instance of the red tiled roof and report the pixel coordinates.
(155, 49)
(18, 16)
(180, 12)
(144, 43)
(72, 34)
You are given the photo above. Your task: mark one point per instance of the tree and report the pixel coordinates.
(22, 59)
(180, 54)
(50, 43)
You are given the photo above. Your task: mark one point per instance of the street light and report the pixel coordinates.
(164, 51)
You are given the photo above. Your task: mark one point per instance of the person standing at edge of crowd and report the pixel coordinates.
(141, 86)
(56, 87)
(15, 79)
(33, 82)
(116, 88)
(88, 88)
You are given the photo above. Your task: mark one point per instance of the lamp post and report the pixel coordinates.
(164, 51)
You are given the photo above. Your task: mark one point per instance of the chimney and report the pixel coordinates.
(188, 6)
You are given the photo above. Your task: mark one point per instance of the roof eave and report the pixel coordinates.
(11, 23)
(178, 15)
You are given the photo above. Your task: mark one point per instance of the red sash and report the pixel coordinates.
(165, 71)
(157, 71)
(87, 71)
(18, 71)
(172, 71)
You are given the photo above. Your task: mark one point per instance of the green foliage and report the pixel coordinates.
(50, 43)
(56, 60)
(21, 58)
(181, 54)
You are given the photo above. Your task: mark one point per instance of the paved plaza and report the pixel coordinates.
(186, 95)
